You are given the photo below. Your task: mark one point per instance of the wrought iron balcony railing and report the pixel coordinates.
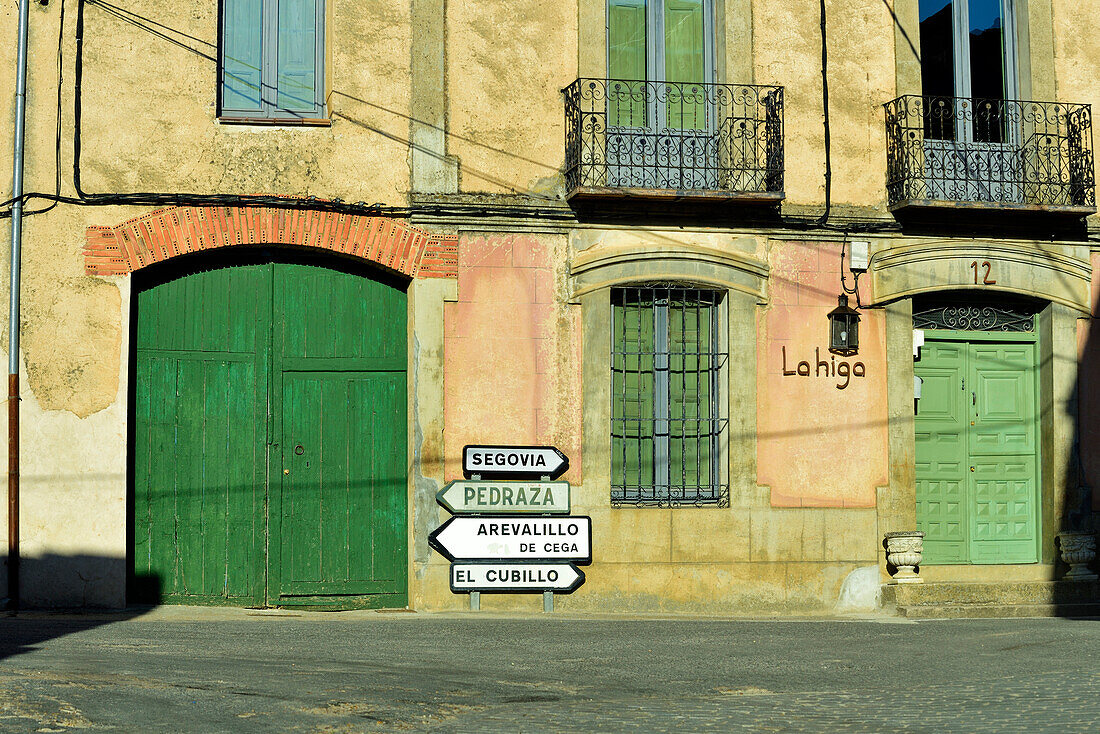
(717, 139)
(995, 153)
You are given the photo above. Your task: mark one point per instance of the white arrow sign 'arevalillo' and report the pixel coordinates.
(517, 538)
(514, 461)
(505, 576)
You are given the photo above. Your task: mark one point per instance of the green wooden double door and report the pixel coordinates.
(269, 444)
(977, 449)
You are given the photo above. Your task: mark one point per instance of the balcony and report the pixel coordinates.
(953, 152)
(673, 141)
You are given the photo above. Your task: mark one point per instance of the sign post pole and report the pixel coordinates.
(547, 596)
(475, 596)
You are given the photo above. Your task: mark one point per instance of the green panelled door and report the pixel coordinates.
(340, 368)
(227, 507)
(200, 436)
(977, 451)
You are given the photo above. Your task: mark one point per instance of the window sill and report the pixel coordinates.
(277, 121)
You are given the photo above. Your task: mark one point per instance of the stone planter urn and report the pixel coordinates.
(903, 551)
(1078, 551)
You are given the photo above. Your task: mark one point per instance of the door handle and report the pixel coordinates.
(973, 398)
(971, 468)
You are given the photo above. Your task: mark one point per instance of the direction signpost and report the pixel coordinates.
(511, 531)
(517, 462)
(506, 576)
(516, 538)
(483, 497)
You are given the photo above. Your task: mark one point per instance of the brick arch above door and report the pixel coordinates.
(179, 230)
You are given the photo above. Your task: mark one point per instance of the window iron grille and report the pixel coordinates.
(975, 317)
(668, 419)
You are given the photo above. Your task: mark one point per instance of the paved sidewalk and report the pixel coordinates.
(216, 670)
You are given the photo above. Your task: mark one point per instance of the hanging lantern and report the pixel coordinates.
(843, 328)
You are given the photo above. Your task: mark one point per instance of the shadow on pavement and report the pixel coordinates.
(69, 593)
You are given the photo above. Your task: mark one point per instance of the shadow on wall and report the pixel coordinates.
(1074, 598)
(80, 581)
(1084, 472)
(1082, 508)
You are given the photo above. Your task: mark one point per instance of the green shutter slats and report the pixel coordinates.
(626, 29)
(666, 419)
(685, 61)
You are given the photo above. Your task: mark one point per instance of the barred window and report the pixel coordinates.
(667, 419)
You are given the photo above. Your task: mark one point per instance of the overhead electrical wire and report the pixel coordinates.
(827, 221)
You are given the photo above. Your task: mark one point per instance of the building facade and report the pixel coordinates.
(292, 255)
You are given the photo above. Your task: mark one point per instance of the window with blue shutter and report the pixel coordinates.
(272, 59)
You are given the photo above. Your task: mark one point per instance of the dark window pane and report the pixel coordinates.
(987, 70)
(937, 48)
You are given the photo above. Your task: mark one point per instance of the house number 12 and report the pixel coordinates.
(985, 279)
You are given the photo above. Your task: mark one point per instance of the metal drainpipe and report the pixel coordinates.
(13, 312)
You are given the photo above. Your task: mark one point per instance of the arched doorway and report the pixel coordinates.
(978, 429)
(269, 431)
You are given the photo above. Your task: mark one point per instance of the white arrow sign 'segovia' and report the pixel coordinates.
(517, 537)
(505, 576)
(513, 461)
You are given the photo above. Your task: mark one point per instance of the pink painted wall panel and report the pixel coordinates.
(512, 366)
(822, 437)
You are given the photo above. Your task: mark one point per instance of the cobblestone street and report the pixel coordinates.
(187, 669)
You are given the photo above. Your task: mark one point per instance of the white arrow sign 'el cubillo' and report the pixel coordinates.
(511, 576)
(513, 461)
(515, 537)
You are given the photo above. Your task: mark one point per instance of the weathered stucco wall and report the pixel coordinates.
(1077, 56)
(511, 349)
(507, 64)
(72, 466)
(72, 333)
(151, 126)
(787, 49)
(822, 435)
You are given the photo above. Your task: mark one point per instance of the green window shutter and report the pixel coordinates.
(297, 72)
(685, 61)
(632, 398)
(626, 42)
(242, 55)
(690, 326)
